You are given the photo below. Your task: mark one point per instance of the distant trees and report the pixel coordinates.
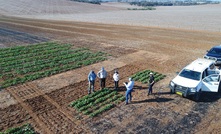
(98, 2)
(175, 3)
(146, 3)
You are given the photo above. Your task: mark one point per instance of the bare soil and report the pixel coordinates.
(45, 102)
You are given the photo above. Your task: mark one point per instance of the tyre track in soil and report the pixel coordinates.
(85, 27)
(48, 28)
(21, 36)
(107, 30)
(29, 99)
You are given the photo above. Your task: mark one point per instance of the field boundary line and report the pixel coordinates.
(28, 109)
(58, 107)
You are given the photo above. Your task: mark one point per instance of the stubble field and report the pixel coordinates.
(44, 103)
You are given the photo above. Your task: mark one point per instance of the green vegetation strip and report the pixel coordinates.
(27, 63)
(25, 129)
(98, 102)
(145, 8)
(143, 76)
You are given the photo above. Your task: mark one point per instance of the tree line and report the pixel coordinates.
(176, 3)
(98, 2)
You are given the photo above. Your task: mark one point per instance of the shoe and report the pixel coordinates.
(126, 103)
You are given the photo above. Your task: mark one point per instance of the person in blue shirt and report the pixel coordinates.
(91, 79)
(129, 87)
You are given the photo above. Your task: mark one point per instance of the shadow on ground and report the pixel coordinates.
(153, 100)
(209, 97)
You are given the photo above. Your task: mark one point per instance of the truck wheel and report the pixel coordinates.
(172, 91)
(185, 94)
(197, 96)
(219, 91)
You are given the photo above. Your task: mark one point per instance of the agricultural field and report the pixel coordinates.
(25, 129)
(47, 52)
(28, 63)
(98, 102)
(143, 76)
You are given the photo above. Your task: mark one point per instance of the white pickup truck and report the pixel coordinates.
(199, 76)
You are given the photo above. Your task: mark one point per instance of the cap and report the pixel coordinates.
(151, 73)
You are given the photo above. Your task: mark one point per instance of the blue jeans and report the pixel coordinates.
(150, 89)
(91, 86)
(128, 95)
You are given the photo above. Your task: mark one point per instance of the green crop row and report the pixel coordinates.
(25, 129)
(143, 76)
(42, 60)
(23, 50)
(98, 102)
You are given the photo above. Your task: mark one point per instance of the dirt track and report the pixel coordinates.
(44, 103)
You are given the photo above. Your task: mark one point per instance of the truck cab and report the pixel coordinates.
(199, 76)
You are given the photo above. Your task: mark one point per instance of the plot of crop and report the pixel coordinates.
(98, 102)
(25, 129)
(27, 63)
(143, 76)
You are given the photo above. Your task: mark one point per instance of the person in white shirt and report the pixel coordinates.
(102, 74)
(116, 79)
(129, 87)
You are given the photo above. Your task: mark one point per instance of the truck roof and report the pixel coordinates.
(199, 65)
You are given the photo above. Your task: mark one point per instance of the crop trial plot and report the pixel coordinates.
(27, 63)
(143, 76)
(98, 102)
(25, 129)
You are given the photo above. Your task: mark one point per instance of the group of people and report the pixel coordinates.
(102, 75)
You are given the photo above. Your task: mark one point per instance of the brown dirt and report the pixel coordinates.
(44, 102)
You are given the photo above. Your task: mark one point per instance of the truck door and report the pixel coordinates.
(211, 83)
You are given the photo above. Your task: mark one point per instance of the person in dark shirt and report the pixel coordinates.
(151, 83)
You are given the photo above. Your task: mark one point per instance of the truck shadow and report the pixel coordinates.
(209, 97)
(157, 99)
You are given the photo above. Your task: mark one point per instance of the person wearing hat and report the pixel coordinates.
(116, 79)
(91, 79)
(102, 74)
(129, 87)
(151, 83)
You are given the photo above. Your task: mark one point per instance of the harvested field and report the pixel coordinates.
(44, 103)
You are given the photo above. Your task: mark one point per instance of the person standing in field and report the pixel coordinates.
(116, 79)
(102, 74)
(151, 83)
(129, 86)
(91, 79)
